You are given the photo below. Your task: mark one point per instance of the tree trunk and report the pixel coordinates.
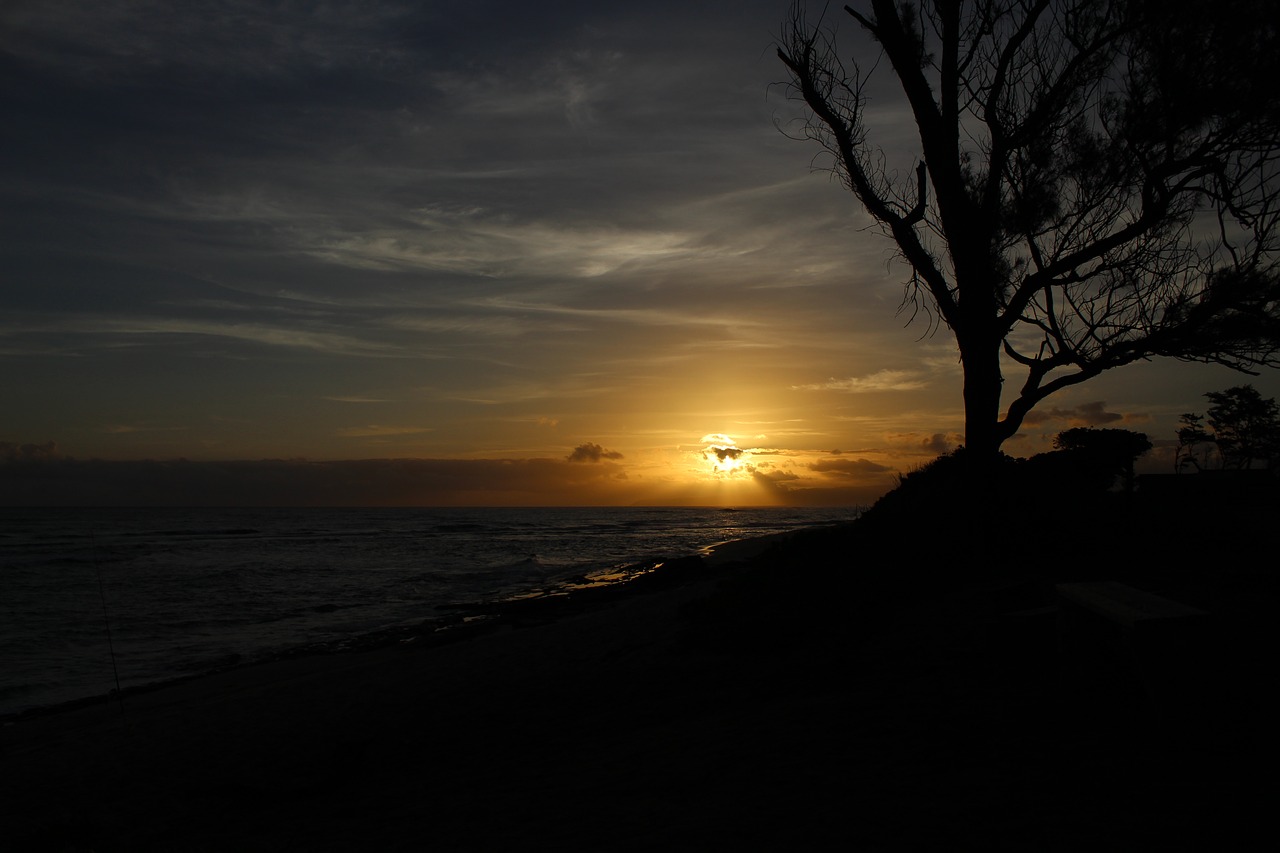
(982, 386)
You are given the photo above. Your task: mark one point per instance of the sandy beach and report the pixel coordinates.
(668, 716)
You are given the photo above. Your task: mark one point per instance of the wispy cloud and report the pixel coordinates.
(378, 431)
(136, 330)
(884, 380)
(635, 316)
(485, 244)
(129, 429)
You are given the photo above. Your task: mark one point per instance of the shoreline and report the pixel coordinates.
(105, 756)
(721, 709)
(470, 619)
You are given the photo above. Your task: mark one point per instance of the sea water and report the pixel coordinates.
(89, 596)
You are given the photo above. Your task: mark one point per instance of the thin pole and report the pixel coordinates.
(106, 620)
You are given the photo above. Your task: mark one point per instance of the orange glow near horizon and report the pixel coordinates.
(719, 491)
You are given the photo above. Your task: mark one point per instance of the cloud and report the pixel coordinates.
(852, 468)
(638, 316)
(928, 444)
(884, 380)
(138, 39)
(726, 458)
(774, 478)
(138, 328)
(130, 429)
(831, 489)
(1085, 414)
(591, 452)
(377, 431)
(723, 453)
(938, 443)
(36, 476)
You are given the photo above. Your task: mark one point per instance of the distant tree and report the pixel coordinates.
(1110, 452)
(1094, 181)
(14, 453)
(1190, 435)
(1245, 426)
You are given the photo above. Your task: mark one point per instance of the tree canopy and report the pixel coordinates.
(1112, 451)
(1245, 426)
(1092, 184)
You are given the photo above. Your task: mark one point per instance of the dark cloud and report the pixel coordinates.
(774, 477)
(722, 453)
(788, 488)
(938, 444)
(590, 452)
(853, 468)
(38, 480)
(1085, 414)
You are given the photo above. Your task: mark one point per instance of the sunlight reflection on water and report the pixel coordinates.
(189, 590)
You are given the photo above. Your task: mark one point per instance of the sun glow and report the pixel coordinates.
(724, 456)
(728, 465)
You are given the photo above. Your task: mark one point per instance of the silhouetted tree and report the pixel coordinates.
(1245, 426)
(1190, 435)
(1112, 452)
(1099, 186)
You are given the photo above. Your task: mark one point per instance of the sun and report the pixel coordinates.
(724, 456)
(728, 464)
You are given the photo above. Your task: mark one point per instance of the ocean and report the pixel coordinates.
(89, 596)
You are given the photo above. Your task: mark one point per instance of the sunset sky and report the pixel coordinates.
(458, 252)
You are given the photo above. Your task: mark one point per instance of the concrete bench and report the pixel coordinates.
(1117, 637)
(1127, 607)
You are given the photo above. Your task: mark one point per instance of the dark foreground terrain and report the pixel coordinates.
(897, 684)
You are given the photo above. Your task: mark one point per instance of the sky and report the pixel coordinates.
(478, 253)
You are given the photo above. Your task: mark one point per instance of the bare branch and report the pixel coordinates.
(1104, 178)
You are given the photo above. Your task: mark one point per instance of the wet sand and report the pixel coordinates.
(676, 715)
